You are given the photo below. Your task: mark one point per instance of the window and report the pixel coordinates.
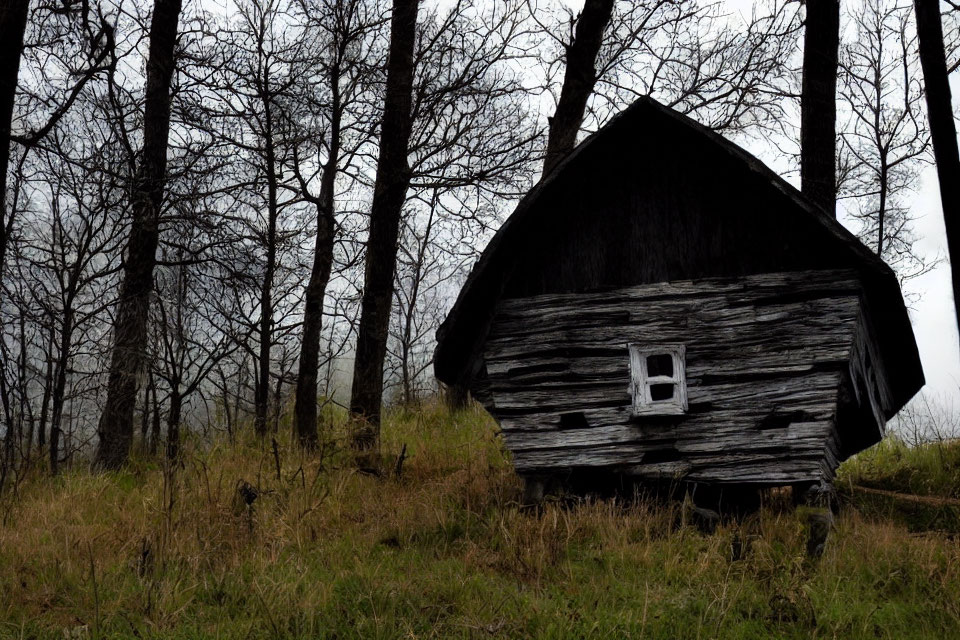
(658, 381)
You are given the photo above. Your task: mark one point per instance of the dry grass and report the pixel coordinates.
(442, 551)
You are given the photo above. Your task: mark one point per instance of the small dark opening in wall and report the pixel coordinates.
(662, 391)
(667, 454)
(783, 419)
(660, 365)
(574, 420)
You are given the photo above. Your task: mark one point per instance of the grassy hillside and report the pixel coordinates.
(917, 487)
(442, 551)
(929, 470)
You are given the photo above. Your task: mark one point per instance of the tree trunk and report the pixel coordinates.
(242, 372)
(943, 131)
(882, 207)
(155, 421)
(7, 455)
(28, 438)
(457, 397)
(145, 416)
(305, 402)
(579, 79)
(262, 387)
(818, 104)
(228, 414)
(60, 389)
(47, 389)
(13, 22)
(130, 325)
(390, 191)
(26, 407)
(277, 401)
(173, 423)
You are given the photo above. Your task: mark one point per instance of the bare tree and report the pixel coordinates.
(474, 144)
(390, 191)
(732, 73)
(16, 347)
(260, 105)
(345, 30)
(578, 80)
(884, 137)
(130, 324)
(193, 337)
(470, 138)
(928, 419)
(51, 50)
(943, 130)
(75, 41)
(818, 104)
(428, 263)
(76, 257)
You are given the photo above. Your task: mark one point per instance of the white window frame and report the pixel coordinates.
(640, 381)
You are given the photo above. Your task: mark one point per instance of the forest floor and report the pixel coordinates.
(444, 551)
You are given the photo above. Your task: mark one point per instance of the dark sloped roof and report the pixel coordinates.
(460, 338)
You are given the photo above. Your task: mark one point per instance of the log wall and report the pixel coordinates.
(766, 357)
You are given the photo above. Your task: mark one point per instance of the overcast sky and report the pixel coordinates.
(933, 316)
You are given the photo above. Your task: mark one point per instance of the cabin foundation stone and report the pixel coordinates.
(534, 491)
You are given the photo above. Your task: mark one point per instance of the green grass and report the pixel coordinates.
(443, 551)
(931, 469)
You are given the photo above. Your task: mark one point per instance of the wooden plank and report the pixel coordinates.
(767, 466)
(745, 288)
(662, 314)
(796, 332)
(776, 472)
(702, 360)
(522, 315)
(731, 437)
(817, 386)
(816, 409)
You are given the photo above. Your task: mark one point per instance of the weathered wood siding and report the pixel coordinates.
(766, 356)
(867, 400)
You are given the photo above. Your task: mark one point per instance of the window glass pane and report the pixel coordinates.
(662, 391)
(660, 365)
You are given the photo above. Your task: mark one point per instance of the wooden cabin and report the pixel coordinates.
(662, 305)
